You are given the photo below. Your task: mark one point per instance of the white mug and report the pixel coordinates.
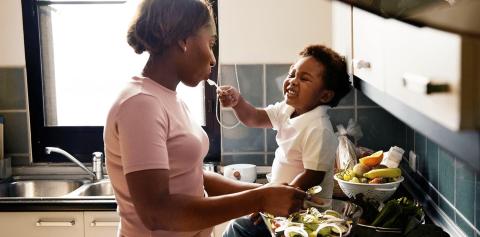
(241, 172)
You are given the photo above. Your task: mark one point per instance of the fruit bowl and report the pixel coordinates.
(378, 192)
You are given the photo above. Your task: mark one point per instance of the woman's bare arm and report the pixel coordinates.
(216, 184)
(158, 209)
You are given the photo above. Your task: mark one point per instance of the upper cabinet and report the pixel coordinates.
(434, 72)
(12, 53)
(342, 31)
(368, 52)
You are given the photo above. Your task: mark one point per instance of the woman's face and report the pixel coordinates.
(199, 58)
(304, 85)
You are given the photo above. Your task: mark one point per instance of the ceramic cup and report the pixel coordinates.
(241, 172)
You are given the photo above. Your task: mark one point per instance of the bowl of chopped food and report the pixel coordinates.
(335, 219)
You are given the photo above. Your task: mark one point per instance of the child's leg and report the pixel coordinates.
(244, 227)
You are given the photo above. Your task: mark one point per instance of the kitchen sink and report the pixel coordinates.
(54, 187)
(39, 188)
(101, 188)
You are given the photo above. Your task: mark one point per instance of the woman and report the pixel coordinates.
(154, 150)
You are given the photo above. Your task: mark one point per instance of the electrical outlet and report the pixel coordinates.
(412, 160)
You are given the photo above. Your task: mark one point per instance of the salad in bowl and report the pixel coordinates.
(335, 219)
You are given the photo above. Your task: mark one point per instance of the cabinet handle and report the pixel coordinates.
(362, 64)
(422, 84)
(46, 223)
(104, 223)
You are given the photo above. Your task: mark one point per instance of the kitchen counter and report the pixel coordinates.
(58, 205)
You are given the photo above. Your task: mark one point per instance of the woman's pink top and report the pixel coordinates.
(149, 127)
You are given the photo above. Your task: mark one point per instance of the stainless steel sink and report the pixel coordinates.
(39, 188)
(101, 188)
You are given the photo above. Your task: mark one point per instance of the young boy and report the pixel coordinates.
(306, 141)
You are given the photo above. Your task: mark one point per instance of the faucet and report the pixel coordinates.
(97, 161)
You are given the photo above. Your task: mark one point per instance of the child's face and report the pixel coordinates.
(304, 88)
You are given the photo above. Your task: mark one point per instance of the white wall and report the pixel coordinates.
(271, 31)
(12, 53)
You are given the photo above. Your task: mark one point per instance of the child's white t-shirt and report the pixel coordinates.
(304, 142)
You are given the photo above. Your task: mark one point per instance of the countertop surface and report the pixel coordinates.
(58, 205)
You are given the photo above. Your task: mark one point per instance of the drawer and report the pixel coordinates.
(51, 224)
(101, 224)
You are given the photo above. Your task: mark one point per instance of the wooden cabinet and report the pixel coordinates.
(101, 224)
(59, 224)
(430, 71)
(42, 224)
(342, 31)
(11, 31)
(368, 53)
(434, 72)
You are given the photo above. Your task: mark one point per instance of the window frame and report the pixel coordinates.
(82, 141)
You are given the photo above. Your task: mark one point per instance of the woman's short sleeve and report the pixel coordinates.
(142, 125)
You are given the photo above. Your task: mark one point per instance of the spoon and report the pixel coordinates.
(314, 190)
(212, 83)
(311, 200)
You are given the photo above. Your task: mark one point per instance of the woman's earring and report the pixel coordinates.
(185, 49)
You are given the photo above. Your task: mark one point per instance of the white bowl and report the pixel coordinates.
(378, 192)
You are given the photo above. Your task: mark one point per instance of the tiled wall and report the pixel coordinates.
(451, 184)
(13, 107)
(261, 85)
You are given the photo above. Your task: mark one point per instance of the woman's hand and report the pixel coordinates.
(228, 96)
(256, 218)
(281, 200)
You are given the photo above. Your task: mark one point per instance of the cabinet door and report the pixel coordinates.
(41, 224)
(101, 224)
(342, 31)
(419, 60)
(368, 47)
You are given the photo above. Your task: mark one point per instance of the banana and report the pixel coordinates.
(384, 173)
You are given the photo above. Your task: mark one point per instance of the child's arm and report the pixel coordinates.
(245, 112)
(308, 179)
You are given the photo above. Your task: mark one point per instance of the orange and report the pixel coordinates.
(373, 159)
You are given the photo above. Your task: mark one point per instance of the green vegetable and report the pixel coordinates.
(396, 213)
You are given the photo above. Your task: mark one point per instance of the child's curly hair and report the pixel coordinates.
(335, 75)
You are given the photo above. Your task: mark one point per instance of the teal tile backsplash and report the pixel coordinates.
(446, 174)
(380, 129)
(431, 163)
(421, 151)
(477, 201)
(465, 191)
(256, 159)
(341, 116)
(275, 74)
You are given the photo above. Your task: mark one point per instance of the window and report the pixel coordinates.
(77, 62)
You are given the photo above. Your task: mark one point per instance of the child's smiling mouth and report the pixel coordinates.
(291, 92)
